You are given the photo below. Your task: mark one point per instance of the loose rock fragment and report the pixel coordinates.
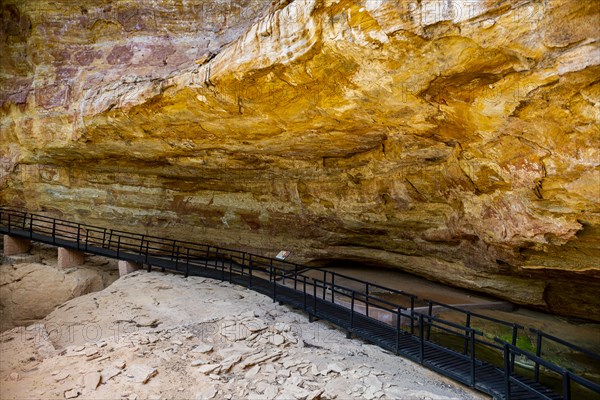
(91, 381)
(277, 340)
(141, 373)
(229, 362)
(208, 368)
(109, 373)
(202, 348)
(71, 394)
(60, 376)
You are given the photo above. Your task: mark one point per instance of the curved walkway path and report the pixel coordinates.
(398, 328)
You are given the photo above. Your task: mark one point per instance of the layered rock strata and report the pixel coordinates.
(457, 140)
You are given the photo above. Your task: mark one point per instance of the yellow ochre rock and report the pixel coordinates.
(457, 140)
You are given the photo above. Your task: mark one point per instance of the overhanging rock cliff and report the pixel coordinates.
(457, 140)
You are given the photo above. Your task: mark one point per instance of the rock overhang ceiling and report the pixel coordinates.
(455, 140)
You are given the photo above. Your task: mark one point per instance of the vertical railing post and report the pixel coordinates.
(412, 315)
(223, 266)
(304, 291)
(243, 264)
(332, 287)
(142, 243)
(250, 266)
(103, 237)
(314, 297)
(31, 226)
(352, 310)
(87, 238)
(187, 262)
(162, 268)
(514, 343)
(78, 234)
(538, 353)
(324, 283)
(118, 245)
(295, 276)
(398, 325)
(468, 325)
(367, 293)
(421, 339)
(8, 222)
(430, 313)
(176, 255)
(566, 385)
(147, 249)
(217, 263)
(54, 230)
(507, 394)
(472, 336)
(274, 273)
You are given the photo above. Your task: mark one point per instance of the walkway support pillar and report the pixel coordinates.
(14, 245)
(127, 267)
(68, 258)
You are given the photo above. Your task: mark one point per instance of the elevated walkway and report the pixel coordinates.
(462, 354)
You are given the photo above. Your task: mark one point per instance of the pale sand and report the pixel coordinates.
(145, 327)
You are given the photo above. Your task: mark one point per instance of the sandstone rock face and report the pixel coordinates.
(457, 140)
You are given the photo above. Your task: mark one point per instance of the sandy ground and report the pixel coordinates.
(161, 336)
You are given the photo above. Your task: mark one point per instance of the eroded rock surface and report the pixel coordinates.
(456, 140)
(32, 286)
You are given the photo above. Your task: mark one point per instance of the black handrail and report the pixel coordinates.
(538, 349)
(565, 343)
(567, 376)
(257, 268)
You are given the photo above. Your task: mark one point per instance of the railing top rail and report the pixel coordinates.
(567, 344)
(477, 315)
(357, 293)
(401, 292)
(531, 356)
(452, 324)
(50, 219)
(517, 350)
(585, 382)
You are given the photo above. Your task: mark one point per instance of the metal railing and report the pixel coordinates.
(282, 279)
(567, 377)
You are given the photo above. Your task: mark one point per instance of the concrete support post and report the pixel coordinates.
(69, 258)
(14, 245)
(127, 267)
